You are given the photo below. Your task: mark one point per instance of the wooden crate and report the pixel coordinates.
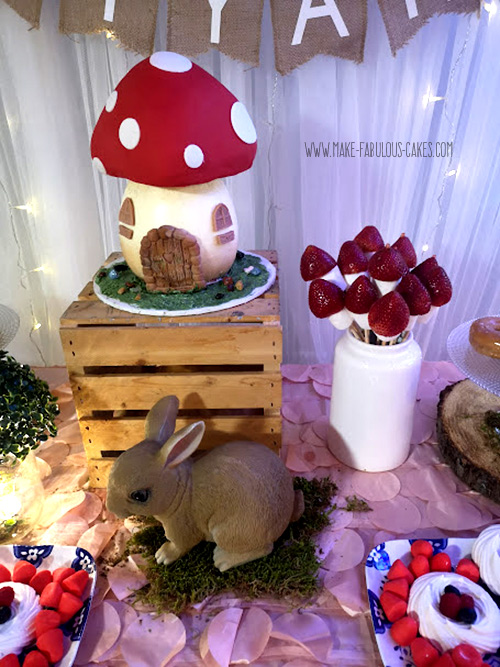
(223, 366)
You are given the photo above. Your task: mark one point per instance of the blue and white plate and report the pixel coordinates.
(50, 557)
(377, 566)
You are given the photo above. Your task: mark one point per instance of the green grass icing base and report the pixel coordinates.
(290, 571)
(213, 295)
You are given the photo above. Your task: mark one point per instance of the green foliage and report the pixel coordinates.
(355, 504)
(288, 572)
(27, 408)
(491, 428)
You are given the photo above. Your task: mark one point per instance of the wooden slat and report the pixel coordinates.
(99, 472)
(166, 345)
(195, 391)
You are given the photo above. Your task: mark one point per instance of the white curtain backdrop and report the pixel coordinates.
(53, 87)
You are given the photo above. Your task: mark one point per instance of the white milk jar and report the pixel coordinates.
(373, 398)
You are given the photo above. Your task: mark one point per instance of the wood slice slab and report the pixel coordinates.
(463, 444)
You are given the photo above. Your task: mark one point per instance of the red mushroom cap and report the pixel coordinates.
(169, 123)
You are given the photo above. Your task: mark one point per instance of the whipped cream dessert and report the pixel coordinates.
(425, 593)
(486, 555)
(19, 630)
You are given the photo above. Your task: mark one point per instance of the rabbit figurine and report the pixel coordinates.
(239, 495)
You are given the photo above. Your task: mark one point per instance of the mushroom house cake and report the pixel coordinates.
(174, 132)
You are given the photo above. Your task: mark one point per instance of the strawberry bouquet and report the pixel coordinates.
(376, 290)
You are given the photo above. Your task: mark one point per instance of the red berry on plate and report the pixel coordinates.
(449, 605)
(444, 661)
(404, 630)
(394, 607)
(399, 570)
(439, 287)
(423, 652)
(419, 566)
(405, 248)
(69, 605)
(23, 571)
(6, 596)
(415, 294)
(315, 263)
(51, 644)
(4, 574)
(387, 264)
(35, 659)
(47, 619)
(425, 268)
(325, 298)
(40, 580)
(76, 583)
(465, 655)
(61, 573)
(466, 601)
(361, 295)
(399, 587)
(469, 569)
(389, 315)
(440, 563)
(51, 595)
(10, 660)
(369, 239)
(422, 548)
(351, 258)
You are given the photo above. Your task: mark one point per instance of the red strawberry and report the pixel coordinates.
(68, 606)
(47, 619)
(439, 287)
(315, 262)
(6, 596)
(23, 571)
(369, 239)
(35, 659)
(405, 248)
(51, 595)
(40, 580)
(351, 258)
(399, 570)
(399, 587)
(389, 316)
(419, 566)
(394, 607)
(422, 547)
(404, 631)
(444, 661)
(10, 660)
(76, 583)
(360, 296)
(469, 569)
(449, 605)
(387, 264)
(441, 563)
(325, 298)
(465, 655)
(423, 652)
(426, 267)
(4, 574)
(466, 601)
(415, 294)
(51, 644)
(61, 573)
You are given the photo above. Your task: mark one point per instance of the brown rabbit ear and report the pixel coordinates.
(182, 444)
(160, 422)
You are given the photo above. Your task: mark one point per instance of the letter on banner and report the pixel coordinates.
(411, 8)
(109, 11)
(308, 12)
(217, 7)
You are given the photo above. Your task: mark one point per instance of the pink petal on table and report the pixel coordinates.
(308, 434)
(295, 372)
(343, 479)
(320, 427)
(423, 455)
(301, 412)
(322, 390)
(76, 458)
(96, 538)
(57, 504)
(340, 519)
(127, 616)
(322, 374)
(308, 630)
(428, 407)
(252, 636)
(53, 452)
(448, 371)
(350, 590)
(429, 371)
(70, 433)
(346, 552)
(65, 478)
(440, 384)
(101, 632)
(427, 390)
(382, 536)
(65, 532)
(43, 467)
(375, 486)
(126, 578)
(218, 638)
(153, 641)
(430, 483)
(454, 513)
(422, 427)
(296, 462)
(89, 508)
(398, 515)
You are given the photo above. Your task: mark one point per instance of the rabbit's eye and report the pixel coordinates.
(140, 496)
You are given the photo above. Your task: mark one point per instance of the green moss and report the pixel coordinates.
(355, 504)
(209, 296)
(491, 429)
(290, 571)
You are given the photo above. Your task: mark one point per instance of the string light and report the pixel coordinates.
(491, 8)
(36, 326)
(454, 172)
(30, 207)
(427, 98)
(38, 268)
(110, 34)
(425, 247)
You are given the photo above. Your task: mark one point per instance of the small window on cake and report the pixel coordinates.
(221, 218)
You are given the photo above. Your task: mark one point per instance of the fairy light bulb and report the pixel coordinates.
(491, 8)
(429, 97)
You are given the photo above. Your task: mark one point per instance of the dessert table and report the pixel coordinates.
(421, 498)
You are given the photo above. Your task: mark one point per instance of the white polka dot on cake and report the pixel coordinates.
(111, 101)
(242, 123)
(129, 133)
(193, 156)
(168, 61)
(98, 165)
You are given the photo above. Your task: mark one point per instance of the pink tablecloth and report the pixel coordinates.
(422, 498)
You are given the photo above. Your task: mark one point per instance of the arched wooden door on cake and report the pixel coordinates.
(171, 260)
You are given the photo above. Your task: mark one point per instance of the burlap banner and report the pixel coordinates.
(404, 18)
(301, 30)
(28, 9)
(130, 21)
(231, 26)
